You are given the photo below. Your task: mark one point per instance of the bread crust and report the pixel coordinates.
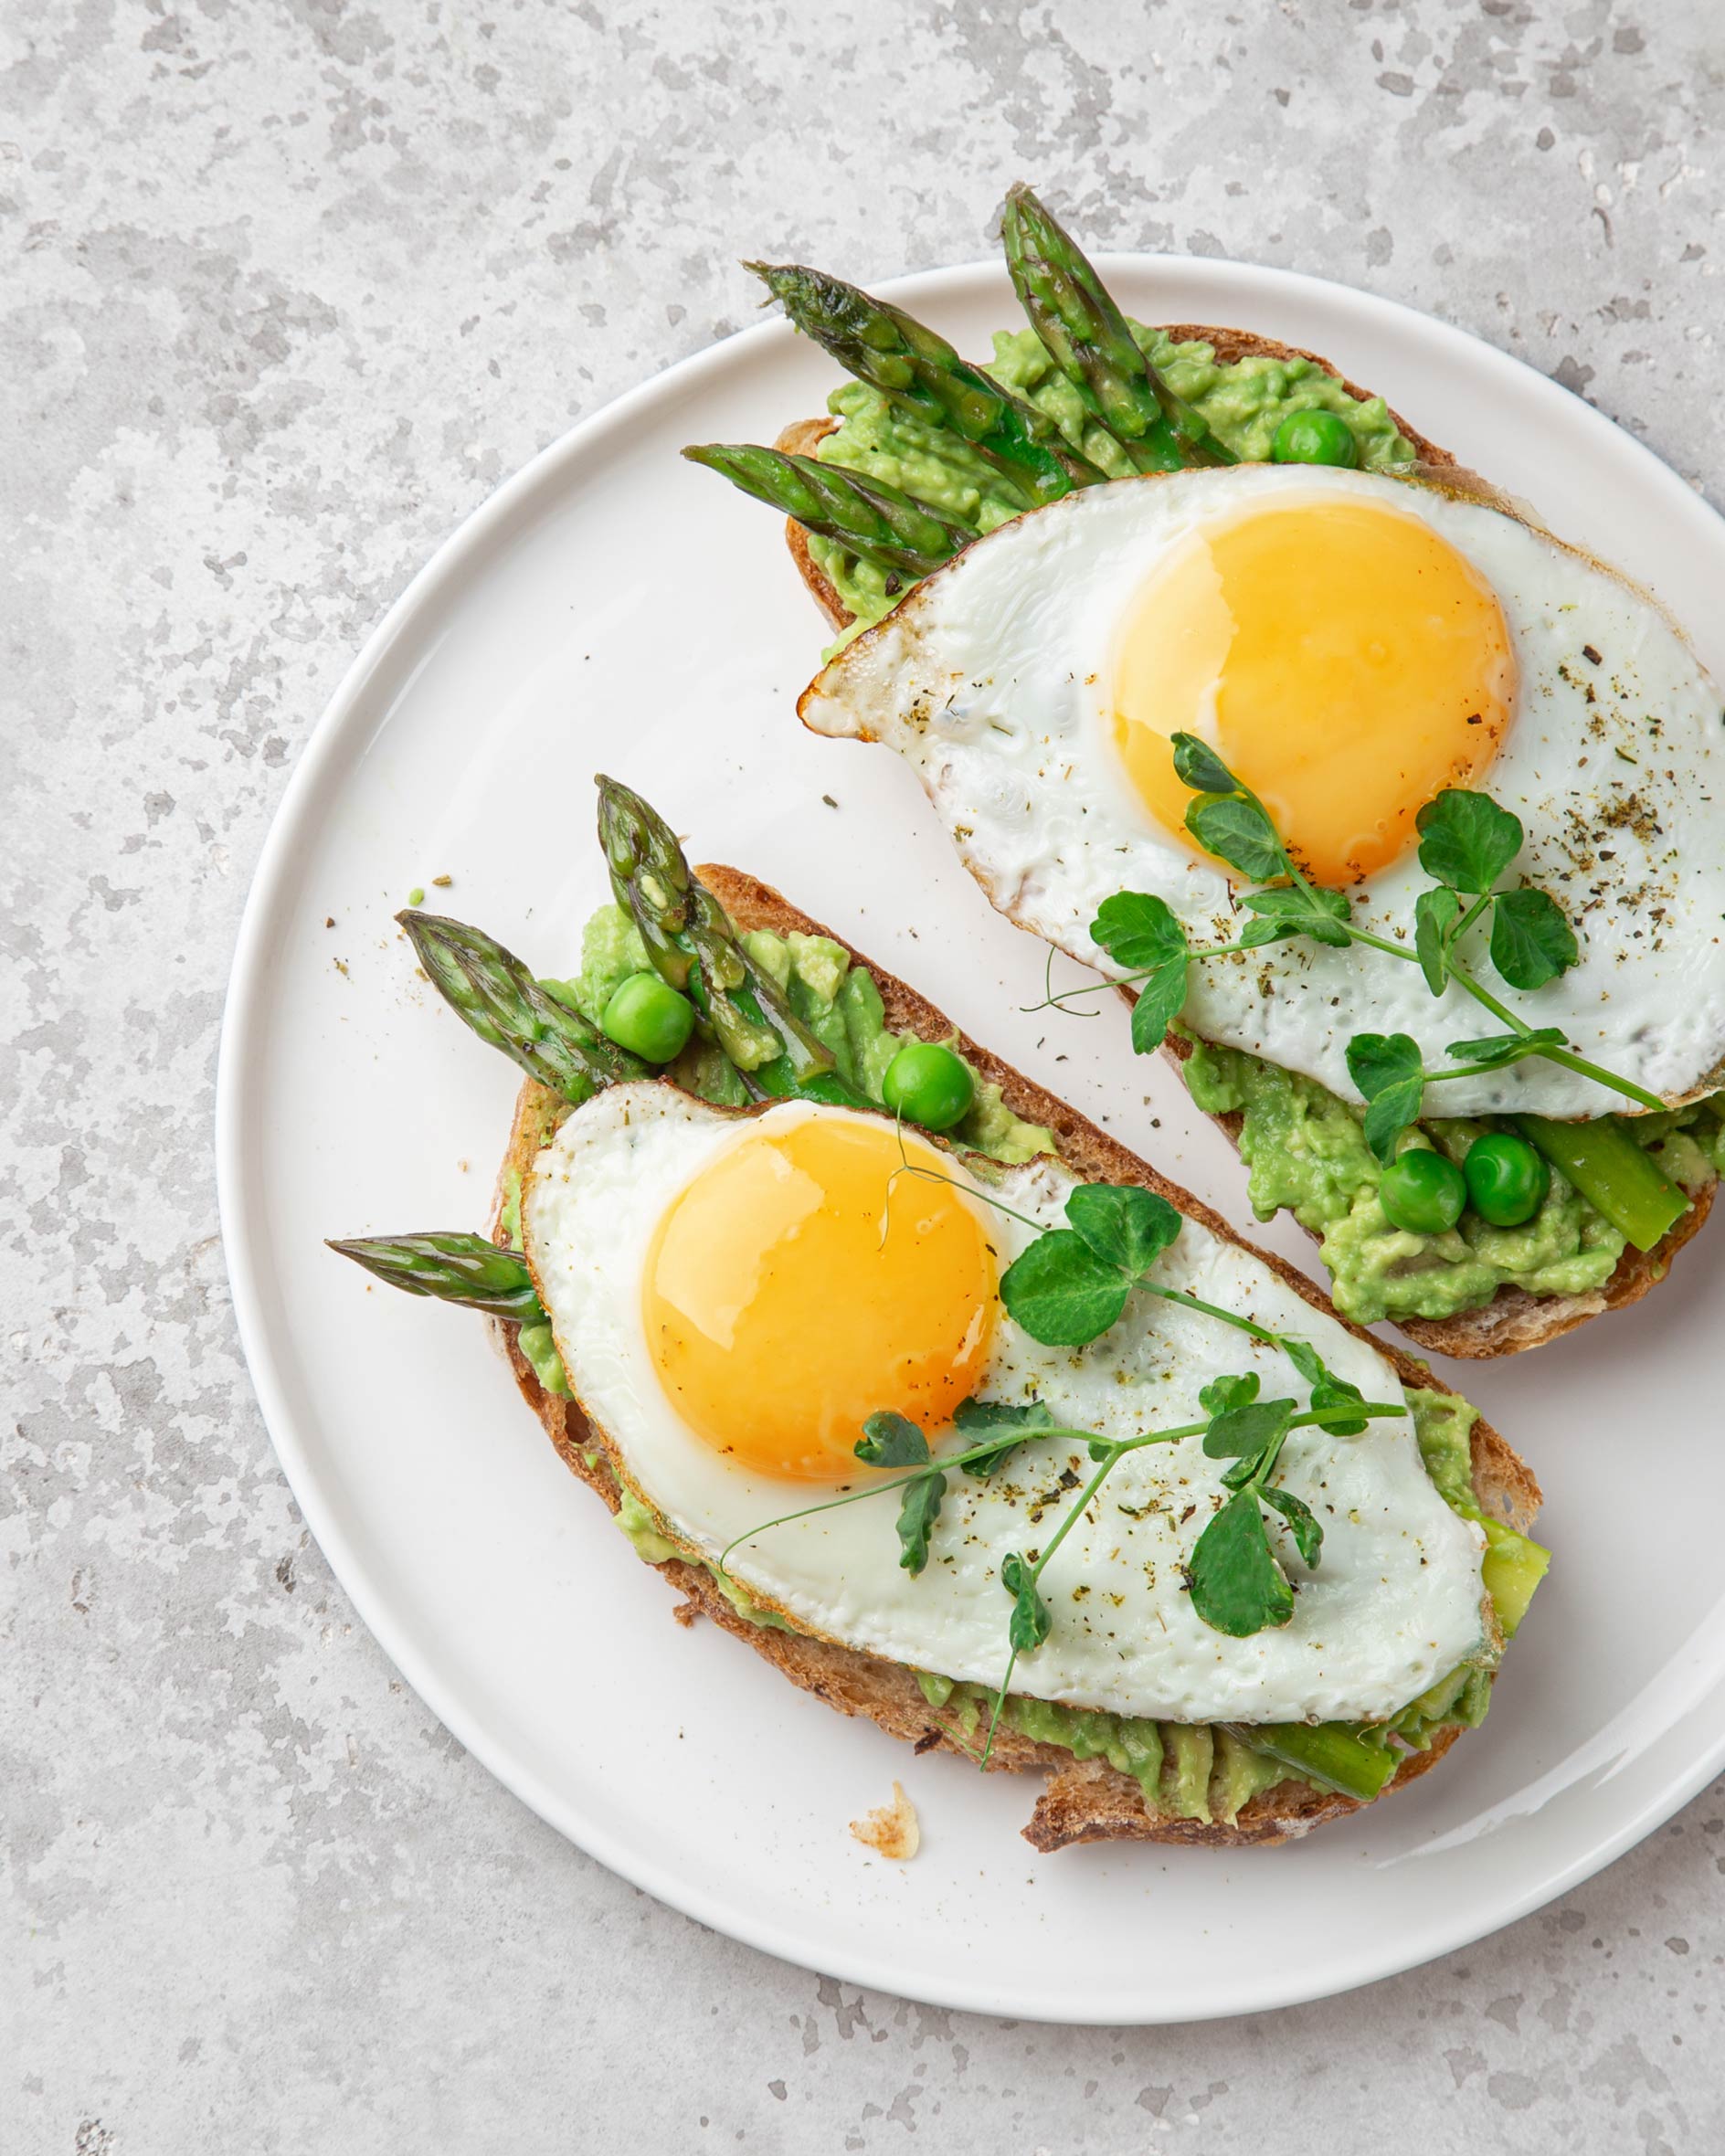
(1082, 1800)
(1514, 1320)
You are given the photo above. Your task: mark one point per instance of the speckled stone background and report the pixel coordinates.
(289, 286)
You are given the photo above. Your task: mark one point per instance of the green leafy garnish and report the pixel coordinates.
(1031, 1619)
(1297, 910)
(889, 1439)
(1061, 1291)
(1467, 842)
(1531, 943)
(1237, 1586)
(1141, 934)
(1436, 913)
(917, 1513)
(1123, 1225)
(1014, 1420)
(1497, 1050)
(1390, 1076)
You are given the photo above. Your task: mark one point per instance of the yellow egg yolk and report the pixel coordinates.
(787, 1301)
(1344, 660)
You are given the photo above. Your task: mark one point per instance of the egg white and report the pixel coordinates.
(991, 678)
(1395, 1602)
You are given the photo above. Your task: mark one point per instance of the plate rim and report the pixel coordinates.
(244, 1013)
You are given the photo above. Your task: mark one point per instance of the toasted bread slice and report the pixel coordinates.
(1082, 1800)
(1513, 1320)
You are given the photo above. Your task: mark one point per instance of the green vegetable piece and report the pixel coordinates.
(1514, 1566)
(1422, 1191)
(1237, 1586)
(1613, 1173)
(1222, 1395)
(1123, 1225)
(905, 360)
(453, 1266)
(1141, 934)
(1498, 1051)
(1314, 437)
(1298, 910)
(928, 1085)
(1031, 1619)
(1387, 1069)
(1436, 913)
(1466, 841)
(890, 1440)
(973, 1419)
(1239, 832)
(1072, 312)
(1197, 765)
(1061, 1291)
(1327, 1753)
(493, 992)
(1246, 1431)
(869, 518)
(917, 1512)
(1308, 1530)
(691, 944)
(1507, 1179)
(647, 1017)
(1531, 942)
(1333, 1399)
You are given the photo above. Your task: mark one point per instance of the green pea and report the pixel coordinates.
(1507, 1179)
(1314, 437)
(928, 1085)
(647, 1017)
(1423, 1192)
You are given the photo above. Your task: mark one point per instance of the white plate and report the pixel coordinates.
(613, 608)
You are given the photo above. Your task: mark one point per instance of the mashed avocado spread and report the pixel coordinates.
(1243, 400)
(1304, 1149)
(1186, 1772)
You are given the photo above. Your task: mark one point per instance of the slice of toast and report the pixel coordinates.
(1084, 1801)
(1513, 1320)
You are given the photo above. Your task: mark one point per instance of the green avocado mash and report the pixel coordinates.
(1304, 1149)
(1243, 400)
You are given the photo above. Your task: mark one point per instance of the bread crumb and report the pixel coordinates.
(892, 1830)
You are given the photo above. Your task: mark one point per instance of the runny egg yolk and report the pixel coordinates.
(1344, 660)
(787, 1301)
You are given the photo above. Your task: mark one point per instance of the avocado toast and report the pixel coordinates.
(1109, 1775)
(1461, 1283)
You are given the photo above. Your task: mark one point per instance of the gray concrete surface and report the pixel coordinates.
(289, 285)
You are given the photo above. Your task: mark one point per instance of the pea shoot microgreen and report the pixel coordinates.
(1467, 844)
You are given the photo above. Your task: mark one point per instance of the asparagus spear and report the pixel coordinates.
(903, 359)
(453, 1266)
(495, 992)
(1086, 333)
(1327, 1753)
(893, 530)
(691, 942)
(1609, 1169)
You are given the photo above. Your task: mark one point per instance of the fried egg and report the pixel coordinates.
(732, 1291)
(1350, 644)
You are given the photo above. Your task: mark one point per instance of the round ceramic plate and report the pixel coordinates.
(615, 608)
